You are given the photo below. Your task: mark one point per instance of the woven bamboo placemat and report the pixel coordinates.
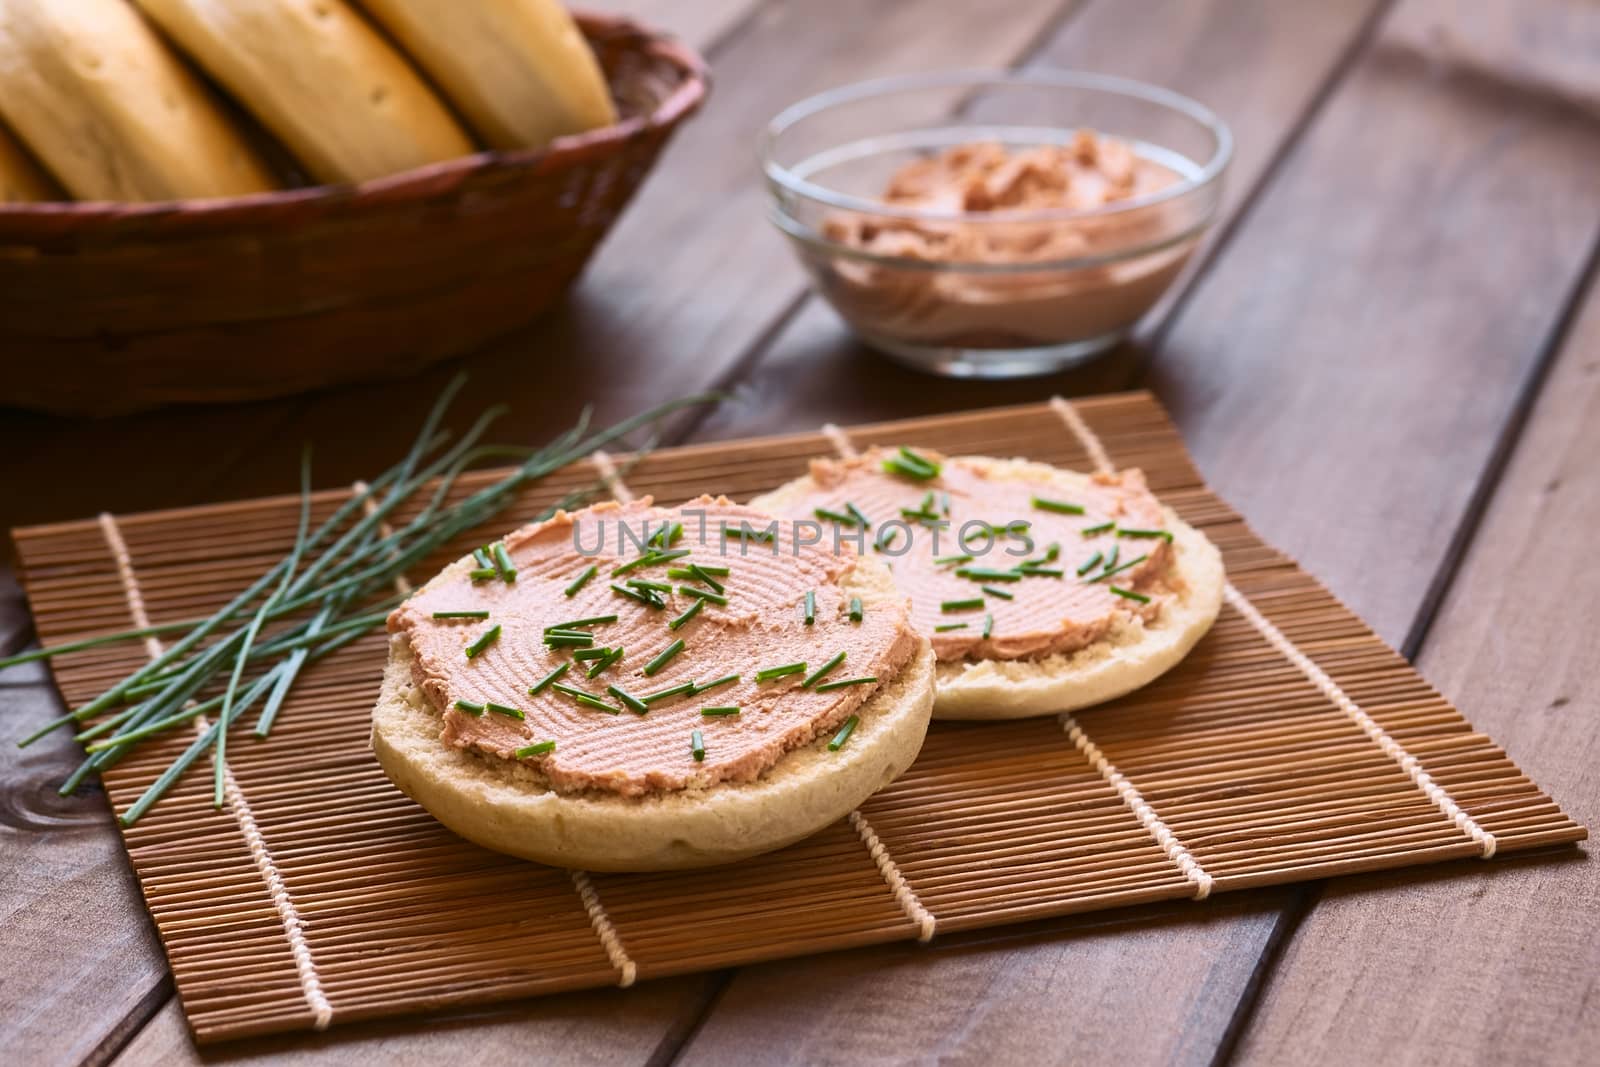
(1291, 744)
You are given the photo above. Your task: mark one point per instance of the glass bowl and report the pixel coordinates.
(1048, 288)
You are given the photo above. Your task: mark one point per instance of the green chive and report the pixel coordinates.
(664, 537)
(631, 702)
(833, 516)
(1053, 552)
(601, 664)
(596, 703)
(508, 712)
(538, 749)
(694, 609)
(948, 626)
(697, 746)
(886, 538)
(943, 560)
(817, 675)
(490, 636)
(1099, 528)
(502, 562)
(593, 620)
(1103, 575)
(808, 610)
(972, 604)
(568, 640)
(1111, 557)
(1165, 535)
(856, 610)
(713, 712)
(648, 599)
(859, 514)
(988, 574)
(461, 614)
(643, 584)
(544, 683)
(988, 626)
(995, 591)
(582, 579)
(481, 558)
(697, 571)
(570, 691)
(1061, 507)
(830, 686)
(483, 574)
(663, 658)
(1129, 594)
(1090, 564)
(844, 733)
(944, 502)
(469, 707)
(1041, 572)
(591, 653)
(725, 680)
(911, 465)
(769, 673)
(650, 559)
(719, 569)
(746, 530)
(703, 594)
(667, 694)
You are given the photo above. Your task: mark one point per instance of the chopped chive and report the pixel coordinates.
(844, 733)
(927, 502)
(664, 537)
(1090, 564)
(650, 559)
(601, 664)
(728, 679)
(714, 712)
(817, 675)
(911, 465)
(680, 572)
(568, 640)
(1111, 557)
(808, 610)
(1129, 594)
(963, 558)
(573, 624)
(705, 576)
(1041, 572)
(596, 703)
(469, 707)
(571, 691)
(667, 694)
(481, 558)
(591, 653)
(490, 636)
(697, 746)
(1052, 553)
(506, 710)
(946, 627)
(829, 686)
(461, 614)
(1165, 535)
(719, 569)
(970, 604)
(856, 610)
(642, 584)
(1103, 575)
(886, 538)
(645, 597)
(996, 591)
(483, 574)
(988, 626)
(769, 673)
(502, 562)
(919, 515)
(693, 610)
(860, 515)
(746, 530)
(631, 702)
(988, 574)
(537, 749)
(582, 579)
(833, 516)
(944, 503)
(548, 680)
(1060, 507)
(663, 658)
(1098, 528)
(703, 594)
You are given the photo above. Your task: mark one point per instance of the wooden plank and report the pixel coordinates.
(813, 371)
(1496, 964)
(1340, 339)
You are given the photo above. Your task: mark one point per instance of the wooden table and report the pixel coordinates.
(1389, 359)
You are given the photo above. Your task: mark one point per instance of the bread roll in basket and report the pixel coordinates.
(109, 307)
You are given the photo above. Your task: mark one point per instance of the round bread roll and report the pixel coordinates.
(21, 180)
(519, 70)
(504, 805)
(343, 101)
(111, 111)
(1131, 655)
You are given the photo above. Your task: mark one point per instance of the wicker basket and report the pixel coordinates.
(113, 307)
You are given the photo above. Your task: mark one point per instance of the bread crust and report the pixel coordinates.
(1131, 656)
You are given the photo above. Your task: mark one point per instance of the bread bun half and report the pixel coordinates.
(1131, 655)
(504, 805)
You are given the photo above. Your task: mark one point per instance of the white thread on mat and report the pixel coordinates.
(244, 817)
(1141, 808)
(1280, 642)
(1391, 748)
(903, 893)
(402, 584)
(1086, 437)
(609, 940)
(608, 474)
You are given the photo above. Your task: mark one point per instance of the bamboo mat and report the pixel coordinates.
(1292, 744)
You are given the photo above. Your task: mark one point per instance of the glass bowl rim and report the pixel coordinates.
(782, 176)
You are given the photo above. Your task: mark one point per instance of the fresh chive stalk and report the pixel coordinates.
(828, 687)
(909, 464)
(991, 590)
(1103, 575)
(719, 711)
(1128, 594)
(1099, 528)
(697, 746)
(727, 679)
(581, 580)
(490, 636)
(461, 614)
(663, 657)
(808, 610)
(506, 710)
(539, 748)
(946, 627)
(691, 612)
(1060, 507)
(970, 604)
(821, 672)
(629, 701)
(857, 612)
(652, 699)
(844, 733)
(702, 594)
(1165, 535)
(548, 680)
(767, 674)
(1090, 564)
(471, 707)
(502, 562)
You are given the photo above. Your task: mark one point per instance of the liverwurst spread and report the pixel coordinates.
(622, 750)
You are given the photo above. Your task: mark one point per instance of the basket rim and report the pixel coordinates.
(683, 100)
